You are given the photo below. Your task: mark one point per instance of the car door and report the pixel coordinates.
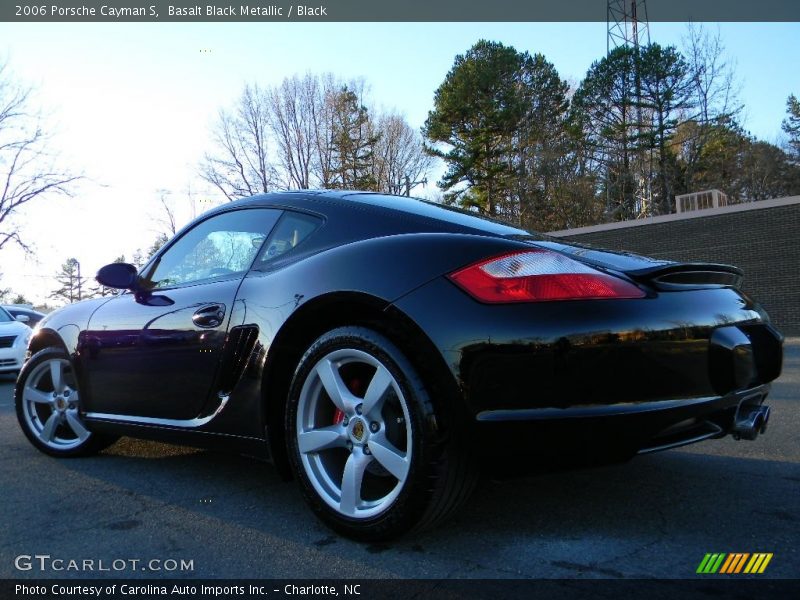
(153, 353)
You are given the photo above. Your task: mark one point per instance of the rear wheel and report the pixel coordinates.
(362, 437)
(47, 401)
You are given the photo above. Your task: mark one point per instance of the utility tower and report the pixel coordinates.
(627, 26)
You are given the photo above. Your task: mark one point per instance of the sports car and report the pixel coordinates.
(383, 351)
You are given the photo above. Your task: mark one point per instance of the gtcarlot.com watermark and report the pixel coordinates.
(45, 563)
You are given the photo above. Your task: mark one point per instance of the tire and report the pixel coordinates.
(363, 441)
(47, 401)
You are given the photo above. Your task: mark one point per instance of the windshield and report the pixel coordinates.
(4, 316)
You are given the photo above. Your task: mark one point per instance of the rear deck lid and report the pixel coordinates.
(663, 274)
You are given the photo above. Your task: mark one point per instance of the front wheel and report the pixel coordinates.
(47, 401)
(362, 437)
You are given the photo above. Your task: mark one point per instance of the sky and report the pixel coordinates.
(130, 105)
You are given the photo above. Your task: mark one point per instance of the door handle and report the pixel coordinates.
(209, 316)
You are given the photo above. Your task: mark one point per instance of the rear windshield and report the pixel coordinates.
(440, 212)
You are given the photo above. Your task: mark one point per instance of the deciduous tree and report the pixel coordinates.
(240, 164)
(400, 161)
(28, 169)
(714, 101)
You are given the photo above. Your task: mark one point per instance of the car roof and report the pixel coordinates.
(23, 309)
(410, 207)
(17, 307)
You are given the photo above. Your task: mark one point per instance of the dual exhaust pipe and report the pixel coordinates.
(750, 421)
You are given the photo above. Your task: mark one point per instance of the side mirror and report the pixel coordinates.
(23, 318)
(121, 276)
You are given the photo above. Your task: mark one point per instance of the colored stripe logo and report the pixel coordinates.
(733, 563)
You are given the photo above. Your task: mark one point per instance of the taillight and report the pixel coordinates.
(539, 276)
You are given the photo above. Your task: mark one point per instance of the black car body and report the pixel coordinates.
(235, 352)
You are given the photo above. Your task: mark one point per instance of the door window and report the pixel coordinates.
(217, 248)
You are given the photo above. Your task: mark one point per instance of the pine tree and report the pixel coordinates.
(70, 280)
(477, 113)
(352, 141)
(791, 125)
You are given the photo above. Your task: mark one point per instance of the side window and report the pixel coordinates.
(217, 248)
(290, 231)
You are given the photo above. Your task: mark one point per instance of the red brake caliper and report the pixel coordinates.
(354, 386)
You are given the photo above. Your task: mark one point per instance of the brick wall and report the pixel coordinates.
(762, 238)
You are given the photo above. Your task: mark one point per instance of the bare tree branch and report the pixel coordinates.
(27, 169)
(400, 160)
(239, 165)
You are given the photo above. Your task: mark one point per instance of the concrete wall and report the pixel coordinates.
(762, 238)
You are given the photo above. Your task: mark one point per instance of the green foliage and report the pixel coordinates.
(733, 161)
(477, 112)
(666, 95)
(629, 107)
(352, 143)
(644, 125)
(633, 136)
(501, 123)
(160, 240)
(604, 109)
(70, 281)
(766, 172)
(791, 125)
(719, 160)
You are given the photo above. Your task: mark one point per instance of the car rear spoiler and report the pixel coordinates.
(682, 276)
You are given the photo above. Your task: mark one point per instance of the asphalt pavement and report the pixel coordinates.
(160, 510)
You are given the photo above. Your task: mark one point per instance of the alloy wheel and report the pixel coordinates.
(354, 433)
(50, 405)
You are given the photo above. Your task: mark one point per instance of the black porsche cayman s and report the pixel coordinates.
(379, 349)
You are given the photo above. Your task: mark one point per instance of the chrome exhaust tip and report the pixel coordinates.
(750, 422)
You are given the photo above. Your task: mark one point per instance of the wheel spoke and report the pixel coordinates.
(332, 382)
(389, 457)
(376, 392)
(321, 439)
(49, 429)
(31, 394)
(76, 425)
(351, 481)
(57, 375)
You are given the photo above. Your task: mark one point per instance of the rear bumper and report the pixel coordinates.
(621, 376)
(621, 429)
(557, 355)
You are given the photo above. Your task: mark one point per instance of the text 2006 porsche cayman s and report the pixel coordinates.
(380, 349)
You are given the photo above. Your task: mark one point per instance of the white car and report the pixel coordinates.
(14, 338)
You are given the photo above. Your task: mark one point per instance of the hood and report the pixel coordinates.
(14, 328)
